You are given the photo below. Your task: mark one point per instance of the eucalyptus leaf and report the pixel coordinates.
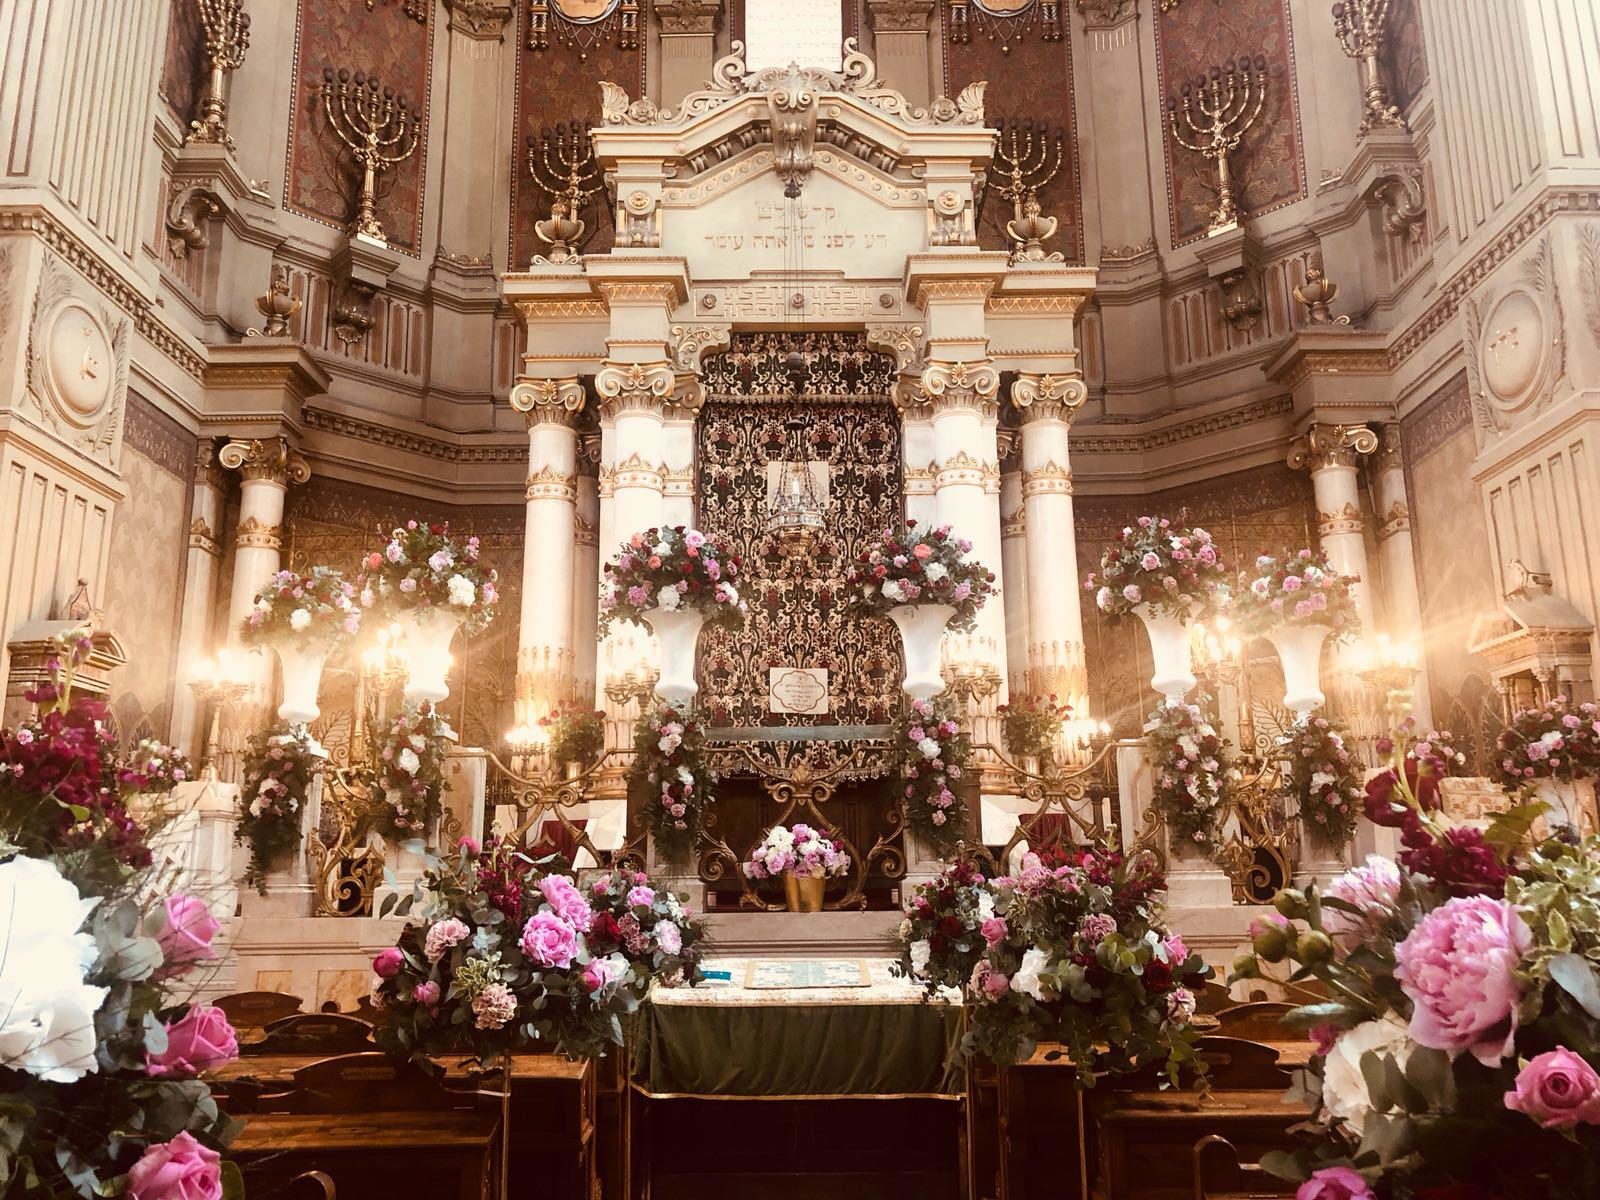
(1286, 1165)
(232, 1180)
(1579, 980)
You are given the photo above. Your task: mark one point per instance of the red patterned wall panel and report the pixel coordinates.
(183, 68)
(1027, 60)
(1404, 61)
(559, 83)
(320, 179)
(1269, 166)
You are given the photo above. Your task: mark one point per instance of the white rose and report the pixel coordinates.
(1321, 779)
(1027, 979)
(685, 775)
(299, 619)
(893, 591)
(367, 598)
(408, 761)
(1190, 747)
(985, 906)
(935, 572)
(920, 951)
(46, 1010)
(668, 598)
(463, 592)
(262, 606)
(929, 748)
(905, 928)
(1344, 1087)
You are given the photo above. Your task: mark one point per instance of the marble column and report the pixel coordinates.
(266, 466)
(197, 621)
(586, 572)
(633, 400)
(1402, 598)
(545, 660)
(917, 468)
(1330, 453)
(1014, 568)
(1055, 614)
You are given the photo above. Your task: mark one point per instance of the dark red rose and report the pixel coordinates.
(1157, 975)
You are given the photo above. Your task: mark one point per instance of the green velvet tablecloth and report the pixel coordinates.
(882, 1040)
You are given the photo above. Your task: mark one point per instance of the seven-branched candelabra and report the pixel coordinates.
(379, 129)
(227, 28)
(562, 164)
(1026, 159)
(1217, 110)
(1360, 27)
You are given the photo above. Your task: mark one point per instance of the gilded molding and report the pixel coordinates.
(1233, 418)
(1066, 305)
(548, 401)
(1396, 520)
(1324, 446)
(561, 310)
(270, 459)
(1106, 14)
(636, 291)
(677, 481)
(547, 483)
(636, 471)
(690, 342)
(399, 439)
(1345, 520)
(480, 20)
(918, 481)
(203, 538)
(255, 534)
(687, 16)
(1014, 526)
(1052, 479)
(903, 341)
(900, 16)
(1048, 397)
(961, 469)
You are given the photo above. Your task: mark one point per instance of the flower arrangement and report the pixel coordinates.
(1325, 777)
(275, 780)
(1163, 563)
(422, 566)
(906, 566)
(1192, 774)
(1032, 725)
(1296, 588)
(320, 606)
(1460, 1029)
(672, 568)
(671, 783)
(577, 735)
(797, 850)
(499, 956)
(655, 929)
(931, 753)
(1075, 954)
(410, 771)
(100, 1053)
(1558, 740)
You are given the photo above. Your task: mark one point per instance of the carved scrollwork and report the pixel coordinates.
(1323, 446)
(1048, 397)
(548, 401)
(265, 458)
(193, 204)
(690, 343)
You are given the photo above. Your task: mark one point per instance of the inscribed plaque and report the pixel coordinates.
(797, 690)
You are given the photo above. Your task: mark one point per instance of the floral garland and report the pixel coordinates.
(1296, 588)
(1559, 740)
(931, 753)
(1191, 774)
(102, 1053)
(576, 736)
(276, 780)
(319, 607)
(671, 781)
(797, 850)
(1325, 778)
(410, 772)
(908, 567)
(423, 567)
(1032, 725)
(672, 568)
(1174, 569)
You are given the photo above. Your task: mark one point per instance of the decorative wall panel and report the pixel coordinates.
(321, 180)
(559, 68)
(795, 616)
(183, 68)
(1025, 53)
(851, 15)
(1269, 166)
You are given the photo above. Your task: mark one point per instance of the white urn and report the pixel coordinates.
(301, 663)
(1170, 653)
(677, 633)
(425, 649)
(1299, 649)
(922, 629)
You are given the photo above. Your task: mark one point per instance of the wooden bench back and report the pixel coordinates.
(324, 1034)
(1259, 1020)
(255, 1010)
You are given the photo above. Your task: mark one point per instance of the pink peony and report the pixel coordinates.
(187, 928)
(1373, 888)
(386, 964)
(443, 936)
(669, 937)
(567, 902)
(1457, 969)
(1558, 1089)
(181, 1169)
(995, 931)
(426, 993)
(201, 1040)
(641, 897)
(549, 941)
(1335, 1183)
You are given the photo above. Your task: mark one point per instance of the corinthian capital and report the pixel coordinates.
(1324, 446)
(272, 459)
(687, 16)
(945, 385)
(900, 16)
(629, 386)
(1048, 397)
(548, 401)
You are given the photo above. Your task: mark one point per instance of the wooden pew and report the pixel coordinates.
(377, 1129)
(256, 1010)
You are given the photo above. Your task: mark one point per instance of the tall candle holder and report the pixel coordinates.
(1360, 26)
(1026, 159)
(1217, 110)
(227, 28)
(562, 163)
(377, 127)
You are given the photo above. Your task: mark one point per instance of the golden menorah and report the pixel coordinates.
(227, 28)
(1026, 159)
(377, 127)
(1360, 25)
(1217, 110)
(562, 163)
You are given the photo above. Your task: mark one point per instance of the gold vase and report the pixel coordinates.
(804, 895)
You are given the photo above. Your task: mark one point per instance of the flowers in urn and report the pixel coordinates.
(1325, 779)
(576, 735)
(672, 569)
(422, 566)
(1556, 740)
(932, 755)
(655, 929)
(99, 1049)
(1032, 725)
(410, 771)
(671, 781)
(1160, 564)
(1191, 775)
(1075, 954)
(500, 956)
(1296, 587)
(797, 850)
(319, 607)
(275, 784)
(910, 566)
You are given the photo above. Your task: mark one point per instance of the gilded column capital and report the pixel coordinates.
(207, 471)
(547, 483)
(900, 16)
(548, 401)
(271, 459)
(255, 534)
(480, 20)
(1108, 14)
(1391, 450)
(1324, 446)
(687, 16)
(956, 385)
(1048, 397)
(635, 387)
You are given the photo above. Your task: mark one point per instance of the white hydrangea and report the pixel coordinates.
(929, 748)
(920, 950)
(893, 591)
(1026, 979)
(668, 598)
(299, 619)
(935, 572)
(463, 592)
(408, 761)
(1344, 1087)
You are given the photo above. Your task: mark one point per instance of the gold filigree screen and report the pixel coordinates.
(796, 618)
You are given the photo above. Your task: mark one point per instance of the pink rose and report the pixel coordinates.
(181, 1169)
(549, 941)
(1558, 1089)
(1177, 952)
(1335, 1183)
(598, 975)
(1456, 967)
(426, 993)
(187, 928)
(199, 1041)
(386, 965)
(471, 847)
(996, 984)
(995, 931)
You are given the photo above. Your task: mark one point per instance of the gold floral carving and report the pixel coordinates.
(535, 311)
(547, 483)
(945, 385)
(1396, 520)
(202, 537)
(270, 459)
(1052, 479)
(690, 342)
(206, 471)
(903, 341)
(1345, 520)
(548, 401)
(636, 471)
(625, 387)
(255, 534)
(1324, 446)
(1048, 397)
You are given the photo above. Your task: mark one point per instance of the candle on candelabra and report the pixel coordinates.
(1360, 26)
(563, 165)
